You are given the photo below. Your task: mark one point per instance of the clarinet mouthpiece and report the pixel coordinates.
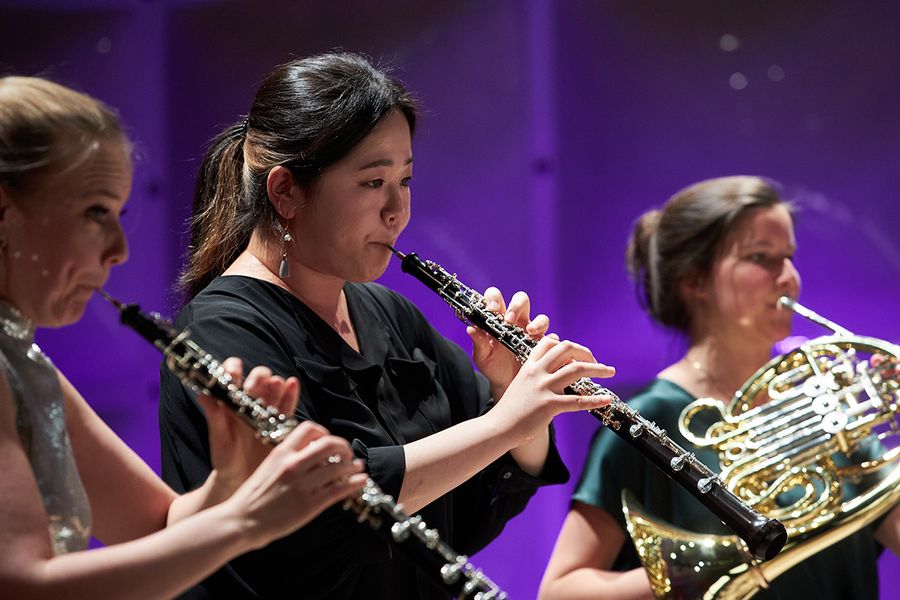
(399, 254)
(110, 299)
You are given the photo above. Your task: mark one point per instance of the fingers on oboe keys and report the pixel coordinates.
(569, 362)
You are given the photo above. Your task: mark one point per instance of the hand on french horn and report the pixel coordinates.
(537, 393)
(493, 360)
(886, 365)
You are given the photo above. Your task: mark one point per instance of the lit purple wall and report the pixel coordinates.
(549, 126)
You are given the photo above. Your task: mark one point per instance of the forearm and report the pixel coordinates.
(888, 532)
(213, 491)
(157, 566)
(597, 584)
(442, 461)
(532, 455)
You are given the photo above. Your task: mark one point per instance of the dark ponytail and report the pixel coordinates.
(221, 222)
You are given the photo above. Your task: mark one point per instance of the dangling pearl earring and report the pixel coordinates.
(284, 268)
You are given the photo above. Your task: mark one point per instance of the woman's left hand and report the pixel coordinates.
(235, 450)
(493, 360)
(886, 365)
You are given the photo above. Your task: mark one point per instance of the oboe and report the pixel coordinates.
(764, 536)
(202, 373)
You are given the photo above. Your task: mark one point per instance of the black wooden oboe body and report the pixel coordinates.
(764, 536)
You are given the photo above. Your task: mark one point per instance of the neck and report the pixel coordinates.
(321, 292)
(720, 367)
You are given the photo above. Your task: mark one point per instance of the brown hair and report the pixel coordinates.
(46, 126)
(307, 115)
(682, 238)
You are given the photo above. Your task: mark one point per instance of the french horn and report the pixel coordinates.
(801, 442)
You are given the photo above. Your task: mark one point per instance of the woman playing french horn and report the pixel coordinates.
(711, 264)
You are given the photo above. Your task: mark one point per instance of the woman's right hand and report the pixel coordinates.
(536, 394)
(309, 471)
(305, 474)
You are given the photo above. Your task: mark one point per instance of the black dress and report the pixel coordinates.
(407, 383)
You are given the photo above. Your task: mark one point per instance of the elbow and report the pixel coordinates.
(549, 589)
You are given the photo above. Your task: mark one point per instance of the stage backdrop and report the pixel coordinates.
(548, 127)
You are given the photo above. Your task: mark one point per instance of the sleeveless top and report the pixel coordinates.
(41, 425)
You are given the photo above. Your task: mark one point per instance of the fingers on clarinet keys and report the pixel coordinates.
(591, 402)
(329, 450)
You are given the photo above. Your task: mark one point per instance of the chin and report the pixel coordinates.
(69, 315)
(778, 334)
(368, 275)
(783, 328)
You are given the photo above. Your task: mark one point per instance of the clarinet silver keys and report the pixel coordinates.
(202, 373)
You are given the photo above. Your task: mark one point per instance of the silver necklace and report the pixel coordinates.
(15, 324)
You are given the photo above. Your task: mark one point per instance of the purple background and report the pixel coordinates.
(549, 127)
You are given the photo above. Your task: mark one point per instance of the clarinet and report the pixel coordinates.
(203, 374)
(764, 536)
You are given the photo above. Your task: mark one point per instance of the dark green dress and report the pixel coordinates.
(846, 570)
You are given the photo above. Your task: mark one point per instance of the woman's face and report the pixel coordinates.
(753, 270)
(356, 206)
(63, 236)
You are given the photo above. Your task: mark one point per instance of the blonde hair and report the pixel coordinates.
(47, 127)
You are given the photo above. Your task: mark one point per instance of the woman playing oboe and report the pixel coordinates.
(293, 210)
(65, 175)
